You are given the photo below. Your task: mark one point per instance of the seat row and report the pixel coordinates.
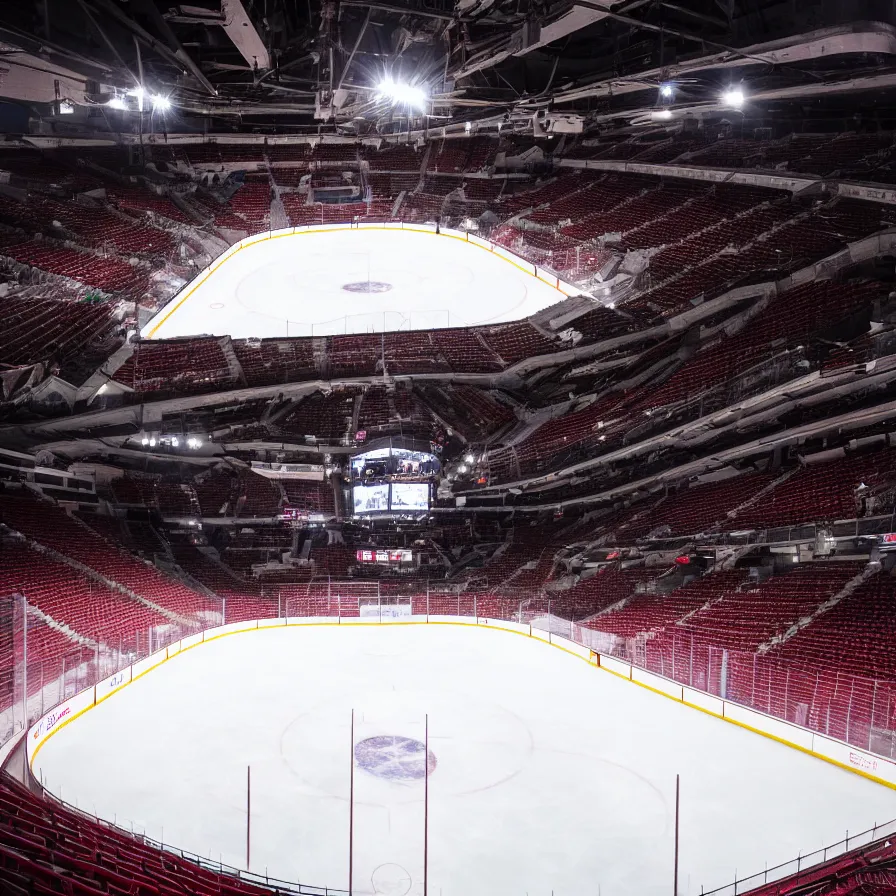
(47, 848)
(49, 525)
(178, 365)
(107, 274)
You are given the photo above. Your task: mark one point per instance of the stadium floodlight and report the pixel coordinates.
(401, 94)
(160, 103)
(117, 103)
(666, 91)
(733, 97)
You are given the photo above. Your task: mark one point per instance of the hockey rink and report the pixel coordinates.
(547, 775)
(327, 282)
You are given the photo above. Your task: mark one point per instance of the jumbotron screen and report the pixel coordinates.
(381, 463)
(370, 498)
(410, 496)
(406, 497)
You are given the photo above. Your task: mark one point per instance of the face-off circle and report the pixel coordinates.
(391, 880)
(394, 758)
(371, 287)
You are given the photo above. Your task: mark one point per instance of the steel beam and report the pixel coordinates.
(245, 37)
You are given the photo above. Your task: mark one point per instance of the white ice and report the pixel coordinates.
(552, 776)
(293, 285)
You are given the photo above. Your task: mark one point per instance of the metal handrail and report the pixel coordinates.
(878, 833)
(273, 883)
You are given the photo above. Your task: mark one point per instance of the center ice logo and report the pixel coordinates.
(394, 758)
(368, 286)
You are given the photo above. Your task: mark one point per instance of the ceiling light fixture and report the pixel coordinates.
(733, 97)
(402, 94)
(160, 103)
(666, 91)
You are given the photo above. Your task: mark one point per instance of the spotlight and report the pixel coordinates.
(117, 103)
(144, 441)
(160, 103)
(733, 97)
(174, 442)
(402, 94)
(469, 458)
(462, 468)
(666, 91)
(152, 443)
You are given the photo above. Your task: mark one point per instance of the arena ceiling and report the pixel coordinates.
(317, 66)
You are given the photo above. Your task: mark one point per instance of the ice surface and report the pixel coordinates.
(317, 283)
(549, 775)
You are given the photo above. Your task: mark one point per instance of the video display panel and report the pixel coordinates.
(410, 496)
(370, 498)
(382, 463)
